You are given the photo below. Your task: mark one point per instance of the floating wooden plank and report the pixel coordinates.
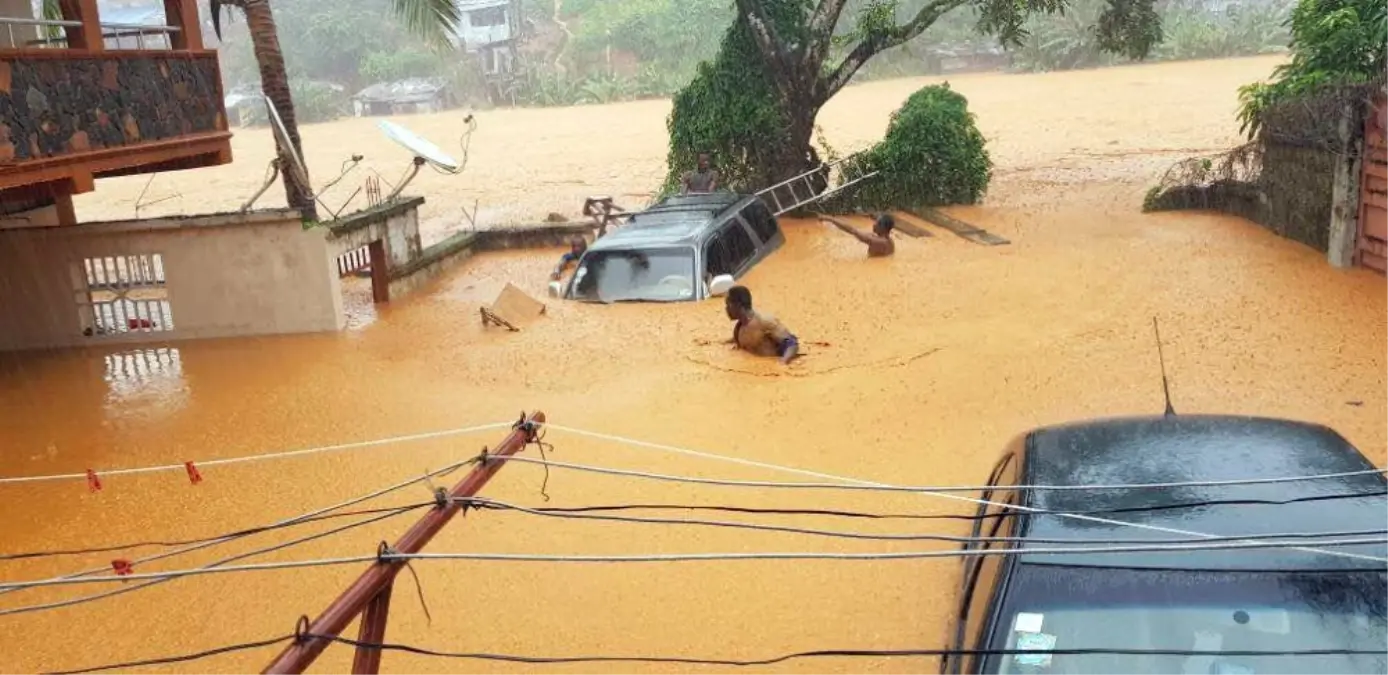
(911, 229)
(512, 308)
(959, 227)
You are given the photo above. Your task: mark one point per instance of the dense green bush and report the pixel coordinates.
(1334, 43)
(933, 154)
(731, 110)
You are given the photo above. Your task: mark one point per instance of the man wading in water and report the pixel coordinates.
(705, 179)
(880, 242)
(577, 246)
(760, 334)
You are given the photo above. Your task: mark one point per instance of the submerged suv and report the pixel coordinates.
(686, 247)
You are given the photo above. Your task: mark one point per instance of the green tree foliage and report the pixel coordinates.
(782, 60)
(933, 154)
(1189, 31)
(347, 42)
(730, 109)
(1334, 43)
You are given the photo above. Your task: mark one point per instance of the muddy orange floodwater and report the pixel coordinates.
(922, 367)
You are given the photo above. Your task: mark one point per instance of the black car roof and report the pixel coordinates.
(676, 220)
(1202, 448)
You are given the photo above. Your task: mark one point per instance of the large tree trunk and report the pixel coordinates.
(274, 82)
(797, 155)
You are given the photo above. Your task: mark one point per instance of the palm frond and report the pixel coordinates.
(433, 20)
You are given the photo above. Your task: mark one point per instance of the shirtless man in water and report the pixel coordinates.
(760, 334)
(879, 242)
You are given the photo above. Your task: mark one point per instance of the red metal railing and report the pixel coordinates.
(370, 593)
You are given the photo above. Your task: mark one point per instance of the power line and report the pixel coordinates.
(855, 483)
(389, 440)
(952, 516)
(679, 557)
(904, 555)
(503, 506)
(683, 660)
(199, 540)
(178, 659)
(341, 505)
(156, 578)
(386, 646)
(958, 488)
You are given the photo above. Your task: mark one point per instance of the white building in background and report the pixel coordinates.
(490, 29)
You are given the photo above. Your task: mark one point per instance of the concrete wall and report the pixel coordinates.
(396, 222)
(455, 250)
(226, 275)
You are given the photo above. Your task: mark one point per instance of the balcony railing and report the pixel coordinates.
(114, 36)
(82, 99)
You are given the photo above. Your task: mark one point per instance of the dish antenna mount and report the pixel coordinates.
(285, 151)
(425, 152)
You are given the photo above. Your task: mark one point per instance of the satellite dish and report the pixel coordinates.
(296, 163)
(420, 147)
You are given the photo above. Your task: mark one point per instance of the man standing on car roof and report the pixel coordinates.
(879, 242)
(705, 179)
(760, 334)
(577, 246)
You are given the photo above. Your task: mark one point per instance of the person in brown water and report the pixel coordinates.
(705, 179)
(760, 334)
(879, 241)
(577, 246)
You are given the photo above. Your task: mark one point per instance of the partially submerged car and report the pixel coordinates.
(686, 247)
(1147, 608)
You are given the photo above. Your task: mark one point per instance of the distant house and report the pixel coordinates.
(415, 95)
(490, 29)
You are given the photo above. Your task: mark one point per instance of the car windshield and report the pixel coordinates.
(1060, 608)
(654, 275)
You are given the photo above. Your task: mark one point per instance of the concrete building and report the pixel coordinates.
(81, 102)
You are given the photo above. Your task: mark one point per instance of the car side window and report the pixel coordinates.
(760, 219)
(730, 249)
(980, 572)
(989, 571)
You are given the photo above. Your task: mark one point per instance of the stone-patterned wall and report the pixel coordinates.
(54, 106)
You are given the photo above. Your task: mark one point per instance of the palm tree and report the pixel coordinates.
(432, 20)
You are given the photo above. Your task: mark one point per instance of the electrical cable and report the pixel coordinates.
(951, 516)
(185, 542)
(906, 555)
(858, 484)
(351, 502)
(689, 660)
(503, 506)
(271, 455)
(679, 557)
(177, 659)
(958, 488)
(387, 646)
(156, 578)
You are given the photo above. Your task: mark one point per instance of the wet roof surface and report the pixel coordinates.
(677, 220)
(1203, 448)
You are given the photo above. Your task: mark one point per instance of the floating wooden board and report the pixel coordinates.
(907, 228)
(959, 227)
(911, 229)
(512, 308)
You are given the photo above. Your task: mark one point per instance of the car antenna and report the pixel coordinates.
(1165, 387)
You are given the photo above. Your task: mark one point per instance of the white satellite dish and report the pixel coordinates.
(282, 136)
(424, 152)
(420, 147)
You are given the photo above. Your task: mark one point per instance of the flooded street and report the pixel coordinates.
(919, 369)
